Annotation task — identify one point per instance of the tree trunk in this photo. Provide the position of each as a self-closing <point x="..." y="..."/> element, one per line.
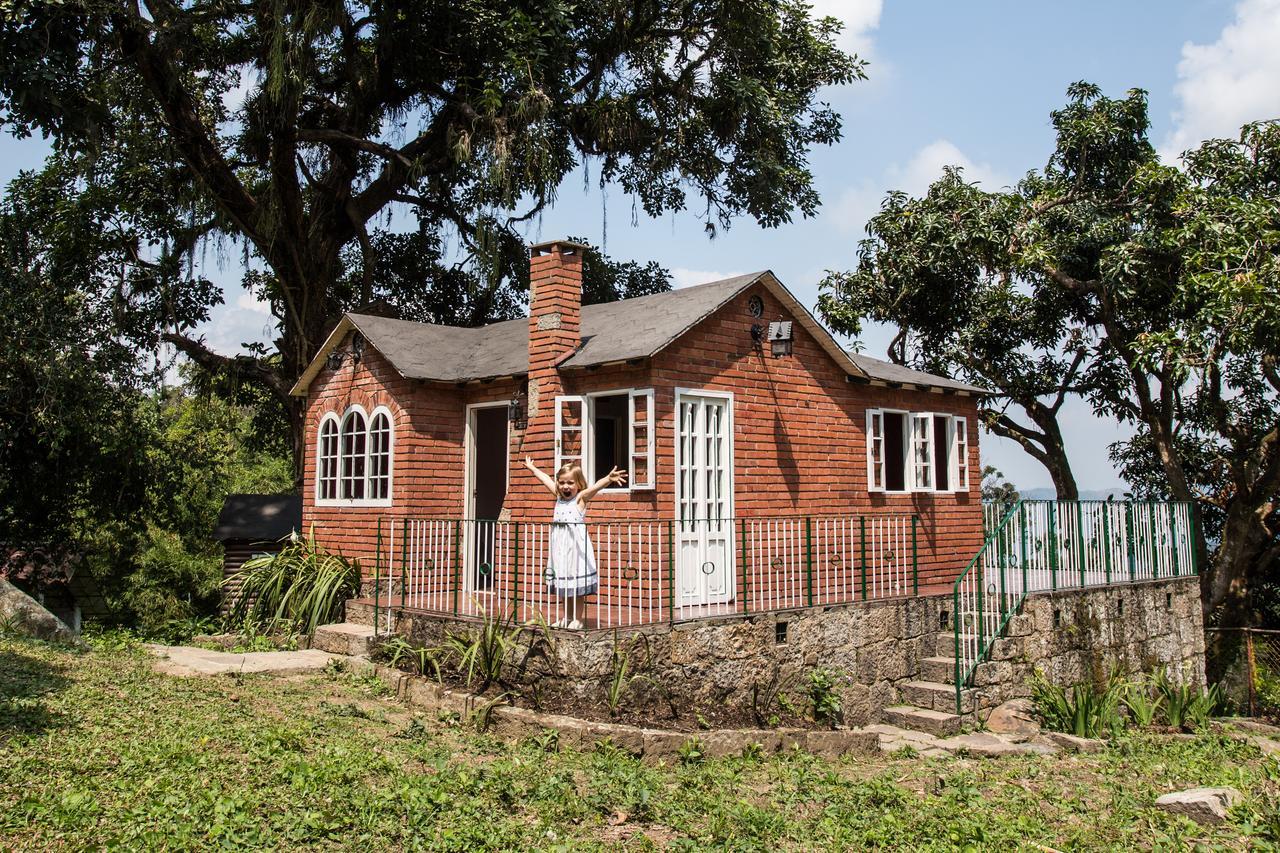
<point x="1246" y="538"/>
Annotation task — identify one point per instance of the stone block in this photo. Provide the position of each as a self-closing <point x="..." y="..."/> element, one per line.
<point x="1015" y="717"/>
<point x="992" y="672"/>
<point x="1203" y="805"/>
<point x="659" y="745"/>
<point x="1071" y="743"/>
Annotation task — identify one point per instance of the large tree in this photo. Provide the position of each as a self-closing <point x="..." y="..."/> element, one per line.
<point x="299" y="131"/>
<point x="1148" y="290"/>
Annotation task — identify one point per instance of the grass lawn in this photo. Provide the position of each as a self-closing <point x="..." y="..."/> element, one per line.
<point x="98" y="751"/>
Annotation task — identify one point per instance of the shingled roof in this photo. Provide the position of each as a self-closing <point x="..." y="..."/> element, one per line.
<point x="613" y="332"/>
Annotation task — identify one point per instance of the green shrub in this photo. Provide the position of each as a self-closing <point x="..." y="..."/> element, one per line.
<point x="1143" y="707"/>
<point x="304" y="586"/>
<point x="1266" y="687"/>
<point x="1084" y="711"/>
<point x="821" y="687"/>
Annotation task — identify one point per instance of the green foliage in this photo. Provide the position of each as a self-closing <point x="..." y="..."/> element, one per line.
<point x="425" y="660"/>
<point x="1142" y="705"/>
<point x="690" y="752"/>
<point x="1085" y="710"/>
<point x="1266" y="685"/>
<point x="620" y="676"/>
<point x="1147" y="290"/>
<point x="324" y="765"/>
<point x="302" y="587"/>
<point x="766" y="695"/>
<point x="1178" y="698"/>
<point x="706" y="103"/>
<point x="996" y="489"/>
<point x="821" y="688"/>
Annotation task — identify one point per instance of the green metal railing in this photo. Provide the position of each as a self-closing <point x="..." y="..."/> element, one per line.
<point x="1043" y="546"/>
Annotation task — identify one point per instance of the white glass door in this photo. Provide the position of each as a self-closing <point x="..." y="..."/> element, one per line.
<point x="704" y="499"/>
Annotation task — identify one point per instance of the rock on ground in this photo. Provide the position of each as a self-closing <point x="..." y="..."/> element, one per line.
<point x="28" y="616"/>
<point x="187" y="661"/>
<point x="1017" y="717"/>
<point x="1203" y="805"/>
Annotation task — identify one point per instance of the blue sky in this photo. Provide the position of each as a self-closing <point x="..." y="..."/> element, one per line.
<point x="968" y="84"/>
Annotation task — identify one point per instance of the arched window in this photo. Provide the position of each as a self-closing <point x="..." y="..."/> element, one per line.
<point x="380" y="455"/>
<point x="354" y="447"/>
<point x="327" y="460"/>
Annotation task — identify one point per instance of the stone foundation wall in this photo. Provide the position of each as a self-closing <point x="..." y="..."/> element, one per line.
<point x="875" y="647"/>
<point x="1083" y="635"/>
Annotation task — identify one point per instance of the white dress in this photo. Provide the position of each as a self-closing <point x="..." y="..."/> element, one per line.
<point x="571" y="571"/>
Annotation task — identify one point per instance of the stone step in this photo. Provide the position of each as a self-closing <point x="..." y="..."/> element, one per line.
<point x="938" y="668"/>
<point x="937" y="723"/>
<point x="344" y="638"/>
<point x="359" y="612"/>
<point x="936" y="696"/>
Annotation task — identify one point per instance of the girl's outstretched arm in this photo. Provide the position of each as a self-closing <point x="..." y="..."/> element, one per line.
<point x="616" y="477"/>
<point x="542" y="478"/>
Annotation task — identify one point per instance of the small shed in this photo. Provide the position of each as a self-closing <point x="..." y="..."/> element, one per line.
<point x="254" y="524"/>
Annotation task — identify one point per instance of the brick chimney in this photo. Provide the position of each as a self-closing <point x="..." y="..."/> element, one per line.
<point x="555" y="314"/>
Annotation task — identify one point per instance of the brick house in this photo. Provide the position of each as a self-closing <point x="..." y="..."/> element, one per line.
<point x="768" y="466"/>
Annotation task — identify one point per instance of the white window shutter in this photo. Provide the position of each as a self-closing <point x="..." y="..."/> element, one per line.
<point x="922" y="452"/>
<point x="960" y="454"/>
<point x="875" y="450"/>
<point x="642" y="440"/>
<point x="571" y="431"/>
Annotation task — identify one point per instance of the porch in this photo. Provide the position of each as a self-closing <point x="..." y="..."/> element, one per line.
<point x="649" y="572"/>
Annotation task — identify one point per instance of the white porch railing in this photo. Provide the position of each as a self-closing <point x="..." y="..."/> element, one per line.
<point x="507" y="569"/>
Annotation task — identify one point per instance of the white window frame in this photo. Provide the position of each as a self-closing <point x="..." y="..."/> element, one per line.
<point x="635" y="397"/>
<point x="875" y="450"/>
<point x="560" y="402"/>
<point x="959" y="447"/>
<point x="329" y="419"/>
<point x="381" y="411"/>
<point x="917" y="440"/>
<point x="368" y="417"/>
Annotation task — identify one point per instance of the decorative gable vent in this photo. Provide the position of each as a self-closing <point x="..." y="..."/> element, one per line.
<point x="780" y="337"/>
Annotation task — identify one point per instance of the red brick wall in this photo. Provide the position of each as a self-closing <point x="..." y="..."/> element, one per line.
<point x="799" y="440"/>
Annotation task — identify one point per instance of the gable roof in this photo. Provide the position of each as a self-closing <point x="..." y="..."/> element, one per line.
<point x="259" y="518"/>
<point x="612" y="332"/>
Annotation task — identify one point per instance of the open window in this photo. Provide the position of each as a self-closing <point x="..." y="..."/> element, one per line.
<point x="571" y="431"/>
<point x="916" y="452"/>
<point x="608" y="430"/>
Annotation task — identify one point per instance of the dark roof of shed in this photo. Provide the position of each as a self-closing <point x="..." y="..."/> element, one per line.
<point x="258" y="518"/>
<point x="896" y="374"/>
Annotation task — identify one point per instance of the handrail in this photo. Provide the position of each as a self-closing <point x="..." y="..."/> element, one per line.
<point x="1061" y="545"/>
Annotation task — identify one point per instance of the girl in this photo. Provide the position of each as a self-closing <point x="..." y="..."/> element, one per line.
<point x="572" y="562"/>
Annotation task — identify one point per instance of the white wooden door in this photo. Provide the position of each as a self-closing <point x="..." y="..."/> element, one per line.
<point x="704" y="499"/>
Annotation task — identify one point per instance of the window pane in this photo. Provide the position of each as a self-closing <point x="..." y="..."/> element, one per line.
<point x="611" y="427"/>
<point x="941" y="443"/>
<point x="353" y="456"/>
<point x="380" y="457"/>
<point x="895" y="452"/>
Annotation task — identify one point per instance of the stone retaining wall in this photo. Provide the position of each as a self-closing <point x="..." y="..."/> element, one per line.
<point x="1083" y="635"/>
<point x="875" y="647"/>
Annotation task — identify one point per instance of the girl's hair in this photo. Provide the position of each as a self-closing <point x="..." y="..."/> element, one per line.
<point x="574" y="470"/>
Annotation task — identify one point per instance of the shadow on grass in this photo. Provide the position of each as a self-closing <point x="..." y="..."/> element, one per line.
<point x="25" y="681"/>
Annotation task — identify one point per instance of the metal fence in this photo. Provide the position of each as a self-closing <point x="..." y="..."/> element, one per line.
<point x="634" y="573"/>
<point x="1040" y="546"/>
<point x="1245" y="664"/>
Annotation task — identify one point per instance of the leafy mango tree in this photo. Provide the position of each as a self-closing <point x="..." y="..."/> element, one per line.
<point x="295" y="133"/>
<point x="1145" y="289"/>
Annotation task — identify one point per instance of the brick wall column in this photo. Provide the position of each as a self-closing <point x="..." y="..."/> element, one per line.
<point x="555" y="314"/>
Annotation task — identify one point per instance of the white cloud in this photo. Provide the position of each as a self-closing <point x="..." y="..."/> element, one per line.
<point x="860" y="17"/>
<point x="249" y="302"/>
<point x="858" y="203"/>
<point x="684" y="277"/>
<point x="1231" y="82"/>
